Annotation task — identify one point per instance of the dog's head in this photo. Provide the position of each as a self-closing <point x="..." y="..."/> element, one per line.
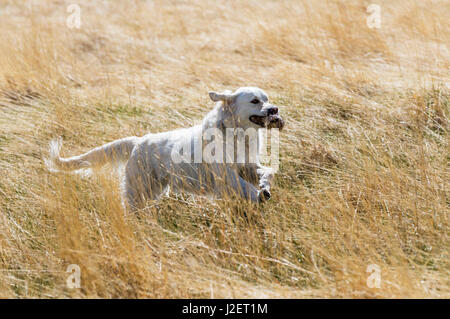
<point x="250" y="107"/>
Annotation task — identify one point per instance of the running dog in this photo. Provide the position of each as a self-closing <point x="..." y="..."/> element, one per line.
<point x="154" y="164"/>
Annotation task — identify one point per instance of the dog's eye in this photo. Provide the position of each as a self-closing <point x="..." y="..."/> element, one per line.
<point x="254" y="101"/>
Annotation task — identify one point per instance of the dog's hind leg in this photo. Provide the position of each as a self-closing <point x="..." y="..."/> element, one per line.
<point x="137" y="193"/>
<point x="131" y="201"/>
<point x="141" y="184"/>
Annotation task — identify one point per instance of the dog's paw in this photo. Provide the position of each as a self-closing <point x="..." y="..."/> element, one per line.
<point x="264" y="195"/>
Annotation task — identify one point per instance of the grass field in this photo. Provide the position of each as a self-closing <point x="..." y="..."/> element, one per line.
<point x="364" y="175"/>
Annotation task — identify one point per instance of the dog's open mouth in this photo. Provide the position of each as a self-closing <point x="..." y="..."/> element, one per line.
<point x="269" y="121"/>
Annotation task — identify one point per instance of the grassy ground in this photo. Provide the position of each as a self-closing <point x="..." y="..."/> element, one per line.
<point x="364" y="176"/>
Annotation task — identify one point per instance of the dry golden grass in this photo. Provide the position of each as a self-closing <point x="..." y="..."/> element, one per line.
<point x="364" y="157"/>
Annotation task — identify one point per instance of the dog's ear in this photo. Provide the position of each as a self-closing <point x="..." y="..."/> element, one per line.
<point x="225" y="96"/>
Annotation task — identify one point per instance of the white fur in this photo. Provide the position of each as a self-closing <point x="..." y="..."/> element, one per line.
<point x="150" y="168"/>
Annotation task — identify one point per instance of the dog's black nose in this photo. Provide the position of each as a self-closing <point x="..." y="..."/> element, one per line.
<point x="272" y="111"/>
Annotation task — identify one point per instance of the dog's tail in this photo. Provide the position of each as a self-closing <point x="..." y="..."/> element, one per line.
<point x="114" y="152"/>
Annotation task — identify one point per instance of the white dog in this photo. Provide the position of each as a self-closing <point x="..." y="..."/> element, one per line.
<point x="154" y="162"/>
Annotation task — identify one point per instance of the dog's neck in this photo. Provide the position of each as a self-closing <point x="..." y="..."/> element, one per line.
<point x="221" y="118"/>
<point x="217" y="118"/>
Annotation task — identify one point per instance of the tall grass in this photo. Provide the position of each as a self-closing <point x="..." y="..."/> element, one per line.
<point x="364" y="156"/>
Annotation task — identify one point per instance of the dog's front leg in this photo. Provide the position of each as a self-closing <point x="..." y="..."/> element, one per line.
<point x="244" y="188"/>
<point x="258" y="175"/>
<point x="265" y="176"/>
<point x="249" y="172"/>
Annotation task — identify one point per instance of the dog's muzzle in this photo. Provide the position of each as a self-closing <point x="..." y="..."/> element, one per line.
<point x="271" y="120"/>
